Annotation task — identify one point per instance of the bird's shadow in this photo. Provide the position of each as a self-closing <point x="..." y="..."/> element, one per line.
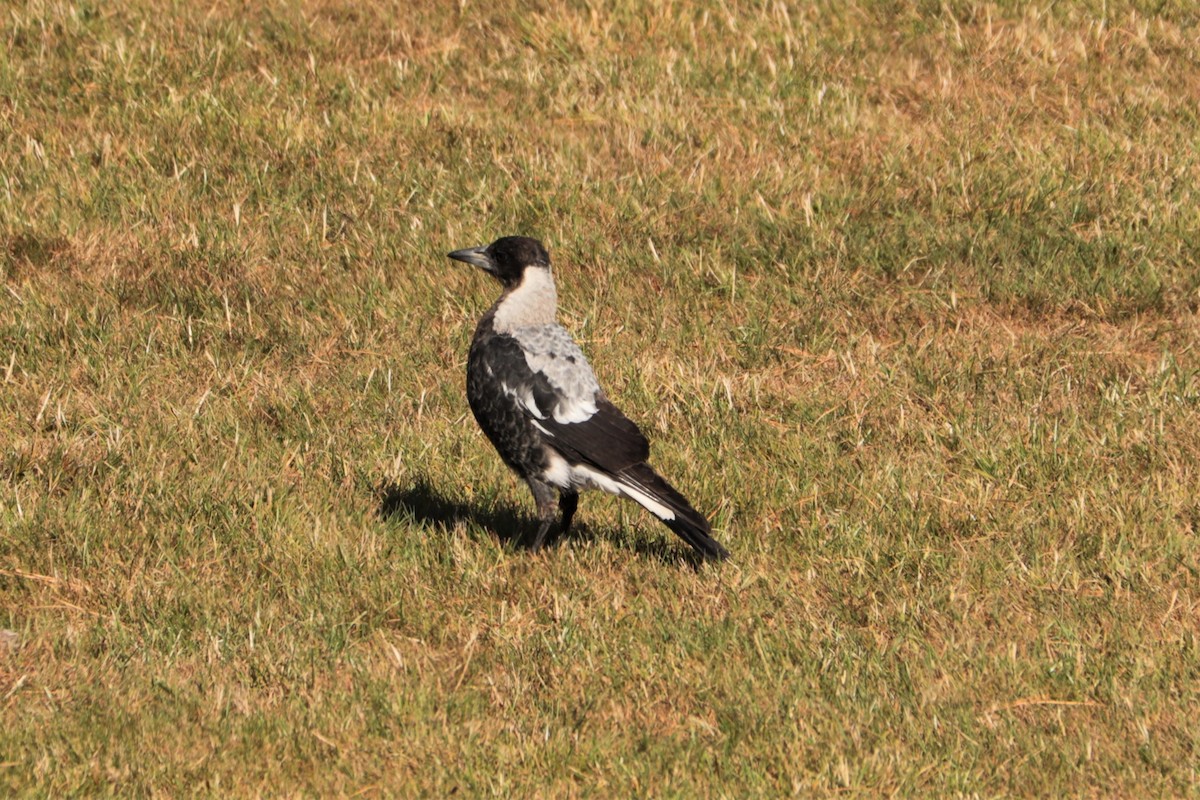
<point x="428" y="507"/>
<point x="421" y="502"/>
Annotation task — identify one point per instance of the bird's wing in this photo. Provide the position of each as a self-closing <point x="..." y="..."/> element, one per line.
<point x="552" y="355"/>
<point x="564" y="401"/>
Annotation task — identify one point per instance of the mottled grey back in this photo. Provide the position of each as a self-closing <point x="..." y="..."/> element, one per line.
<point x="550" y="350"/>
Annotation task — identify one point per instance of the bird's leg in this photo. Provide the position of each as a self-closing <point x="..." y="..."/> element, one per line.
<point x="543" y="495"/>
<point x="567" y="503"/>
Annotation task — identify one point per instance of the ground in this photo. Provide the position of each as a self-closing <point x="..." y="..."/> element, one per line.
<point x="903" y="293"/>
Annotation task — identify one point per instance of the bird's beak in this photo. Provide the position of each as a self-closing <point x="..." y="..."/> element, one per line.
<point x="476" y="257"/>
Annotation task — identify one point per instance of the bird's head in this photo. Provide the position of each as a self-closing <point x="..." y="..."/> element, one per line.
<point x="506" y="258"/>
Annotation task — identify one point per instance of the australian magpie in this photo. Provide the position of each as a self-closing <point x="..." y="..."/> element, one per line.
<point x="537" y="399"/>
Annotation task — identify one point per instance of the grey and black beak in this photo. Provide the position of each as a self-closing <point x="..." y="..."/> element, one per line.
<point x="476" y="257"/>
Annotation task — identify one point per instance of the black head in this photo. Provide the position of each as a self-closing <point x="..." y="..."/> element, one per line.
<point x="506" y="258"/>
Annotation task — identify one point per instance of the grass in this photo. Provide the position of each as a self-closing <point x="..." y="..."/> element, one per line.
<point x="904" y="293"/>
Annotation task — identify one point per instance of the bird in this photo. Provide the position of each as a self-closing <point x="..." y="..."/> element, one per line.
<point x="535" y="396"/>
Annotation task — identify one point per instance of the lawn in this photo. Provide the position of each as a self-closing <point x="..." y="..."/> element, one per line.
<point x="904" y="293"/>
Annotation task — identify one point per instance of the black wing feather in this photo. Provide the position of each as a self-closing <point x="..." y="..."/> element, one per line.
<point x="608" y="439"/>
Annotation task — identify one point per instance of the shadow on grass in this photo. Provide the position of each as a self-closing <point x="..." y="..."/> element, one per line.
<point x="429" y="508"/>
<point x="422" y="503"/>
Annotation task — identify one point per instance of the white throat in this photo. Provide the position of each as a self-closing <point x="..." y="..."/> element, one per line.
<point x="533" y="301"/>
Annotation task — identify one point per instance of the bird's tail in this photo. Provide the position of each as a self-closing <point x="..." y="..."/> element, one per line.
<point x="648" y="489"/>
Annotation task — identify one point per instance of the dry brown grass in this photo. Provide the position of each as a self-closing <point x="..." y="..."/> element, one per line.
<point x="904" y="293"/>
